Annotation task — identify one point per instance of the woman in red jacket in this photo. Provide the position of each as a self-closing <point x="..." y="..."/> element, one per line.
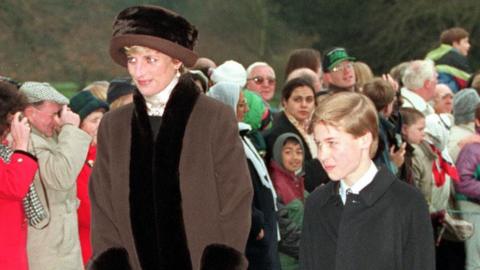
<point x="91" y="110"/>
<point x="17" y="169"/>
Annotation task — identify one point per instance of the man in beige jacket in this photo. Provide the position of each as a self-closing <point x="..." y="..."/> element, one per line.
<point x="61" y="148"/>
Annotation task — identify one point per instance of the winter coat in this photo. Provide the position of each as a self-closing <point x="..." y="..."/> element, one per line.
<point x="291" y="193"/>
<point x="157" y="204"/>
<point x="467" y="166"/>
<point x="261" y="254"/>
<point x="438" y="198"/>
<point x="452" y="67"/>
<point x="84" y="208"/>
<point x="314" y="172"/>
<point x="413" y="100"/>
<point x="15" y="179"/>
<point x="60" y="159"/>
<point x="386" y="226"/>
<point x="458" y="133"/>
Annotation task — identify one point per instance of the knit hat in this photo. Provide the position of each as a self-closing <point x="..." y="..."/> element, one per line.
<point x="464" y="104"/>
<point x="84" y="103"/>
<point x="230" y="71"/>
<point x="119" y="87"/>
<point x="153" y="27"/>
<point x="334" y="57"/>
<point x="42" y="91"/>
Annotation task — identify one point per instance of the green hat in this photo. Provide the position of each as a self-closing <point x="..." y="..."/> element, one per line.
<point x="334" y="57"/>
<point x="84" y="103"/>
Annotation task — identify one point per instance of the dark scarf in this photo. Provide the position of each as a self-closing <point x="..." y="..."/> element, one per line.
<point x="155" y="196"/>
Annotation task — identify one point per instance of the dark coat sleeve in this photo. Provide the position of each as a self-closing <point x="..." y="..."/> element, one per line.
<point x="104" y="233"/>
<point x="258" y="218"/>
<point x="233" y="180"/>
<point x="419" y="251"/>
<point x="307" y="238"/>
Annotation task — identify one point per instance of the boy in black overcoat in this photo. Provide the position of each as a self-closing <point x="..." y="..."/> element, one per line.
<point x="365" y="218"/>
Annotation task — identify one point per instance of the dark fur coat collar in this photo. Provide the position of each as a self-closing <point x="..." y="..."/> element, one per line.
<point x="155" y="198"/>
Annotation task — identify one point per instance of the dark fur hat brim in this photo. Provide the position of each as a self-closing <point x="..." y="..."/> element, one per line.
<point x="156" y="28"/>
<point x="117" y="51"/>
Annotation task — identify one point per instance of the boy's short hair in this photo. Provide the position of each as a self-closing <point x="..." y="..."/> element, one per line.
<point x="454" y="34"/>
<point x="354" y="113"/>
<point x="380" y="92"/>
<point x="410" y="116"/>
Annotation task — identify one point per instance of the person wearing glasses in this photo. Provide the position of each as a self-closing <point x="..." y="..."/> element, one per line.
<point x="61" y="148"/>
<point x="339" y="74"/>
<point x="261" y="79"/>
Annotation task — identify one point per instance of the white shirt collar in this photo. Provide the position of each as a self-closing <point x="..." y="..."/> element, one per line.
<point x="156" y="103"/>
<point x="366" y="179"/>
<point x="413" y="100"/>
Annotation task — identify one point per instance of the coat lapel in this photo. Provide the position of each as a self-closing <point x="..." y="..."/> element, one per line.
<point x="155" y="199"/>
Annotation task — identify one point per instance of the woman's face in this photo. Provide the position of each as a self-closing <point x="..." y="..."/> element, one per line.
<point x="242" y="107"/>
<point x="91" y="122"/>
<point x="151" y="70"/>
<point x="300" y="104"/>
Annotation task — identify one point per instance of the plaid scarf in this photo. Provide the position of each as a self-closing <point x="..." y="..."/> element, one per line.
<point x="34" y="210"/>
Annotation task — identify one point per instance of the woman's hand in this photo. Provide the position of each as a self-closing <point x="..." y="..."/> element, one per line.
<point x="20" y="132"/>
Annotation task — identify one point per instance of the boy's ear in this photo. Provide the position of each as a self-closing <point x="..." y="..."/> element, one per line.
<point x="366" y="141"/>
<point x="404" y="130"/>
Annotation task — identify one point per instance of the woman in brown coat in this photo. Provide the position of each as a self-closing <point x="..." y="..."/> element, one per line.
<point x="170" y="180"/>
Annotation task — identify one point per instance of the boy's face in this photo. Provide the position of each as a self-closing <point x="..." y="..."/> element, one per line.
<point x="414" y="134"/>
<point x="340" y="152"/>
<point x="292" y="156"/>
<point x="463" y="46"/>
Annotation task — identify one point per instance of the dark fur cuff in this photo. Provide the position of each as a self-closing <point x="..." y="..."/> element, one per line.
<point x="222" y="257"/>
<point x="111" y="259"/>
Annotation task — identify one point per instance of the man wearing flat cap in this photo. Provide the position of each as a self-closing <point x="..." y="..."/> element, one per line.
<point x="61" y="148"/>
<point x="170" y="182"/>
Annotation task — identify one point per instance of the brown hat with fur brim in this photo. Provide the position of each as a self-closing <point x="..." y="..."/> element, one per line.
<point x="156" y="28"/>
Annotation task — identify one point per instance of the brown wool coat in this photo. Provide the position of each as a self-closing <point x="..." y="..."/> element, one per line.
<point x="214" y="183"/>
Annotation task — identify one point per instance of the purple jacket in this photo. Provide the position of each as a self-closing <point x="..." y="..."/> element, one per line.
<point x="467" y="162"/>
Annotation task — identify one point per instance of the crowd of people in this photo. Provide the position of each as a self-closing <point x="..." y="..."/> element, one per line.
<point x="187" y="164"/>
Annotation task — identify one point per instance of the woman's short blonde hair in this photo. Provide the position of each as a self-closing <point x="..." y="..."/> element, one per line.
<point x="119" y="102"/>
<point x="351" y="112"/>
<point x="98" y="89"/>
